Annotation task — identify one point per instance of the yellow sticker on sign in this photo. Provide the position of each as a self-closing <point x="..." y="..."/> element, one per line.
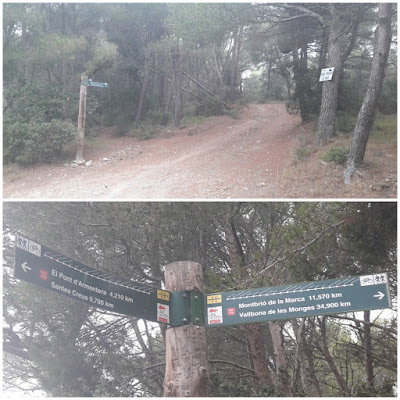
<point x="163" y="295"/>
<point x="214" y="298"/>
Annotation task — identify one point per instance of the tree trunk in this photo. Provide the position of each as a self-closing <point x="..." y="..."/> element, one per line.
<point x="326" y="122"/>
<point x="235" y="61"/>
<point x="322" y="52"/>
<point x="258" y="359"/>
<point x="145" y="83"/>
<point x="338" y="52"/>
<point x="331" y="363"/>
<point x="81" y="123"/>
<point x="187" y="371"/>
<point x="308" y="375"/>
<point x="280" y="360"/>
<point x="369" y="368"/>
<point x="366" y="115"/>
<point x="300" y="75"/>
<point x="176" y="62"/>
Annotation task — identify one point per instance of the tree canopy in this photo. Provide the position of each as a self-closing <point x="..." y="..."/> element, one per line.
<point x="167" y="61"/>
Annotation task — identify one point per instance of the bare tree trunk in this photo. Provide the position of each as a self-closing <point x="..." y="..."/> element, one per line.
<point x="366" y="115"/>
<point x="187" y="371"/>
<point x="369" y="368"/>
<point x="308" y="375"/>
<point x="258" y="359"/>
<point x="253" y="332"/>
<point x="331" y="363"/>
<point x="235" y="61"/>
<point x="280" y="360"/>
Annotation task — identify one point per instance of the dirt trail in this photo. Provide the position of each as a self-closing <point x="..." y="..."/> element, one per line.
<point x="221" y="158"/>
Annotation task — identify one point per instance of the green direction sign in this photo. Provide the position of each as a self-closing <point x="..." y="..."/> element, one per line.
<point x="45" y="267"/>
<point x="89" y="82"/>
<point x="298" y="300"/>
<point x="99" y="84"/>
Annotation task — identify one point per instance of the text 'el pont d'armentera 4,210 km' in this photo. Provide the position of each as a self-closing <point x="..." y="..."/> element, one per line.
<point x="40" y="265"/>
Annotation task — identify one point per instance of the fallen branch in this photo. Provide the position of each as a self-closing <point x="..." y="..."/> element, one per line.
<point x="205" y="89"/>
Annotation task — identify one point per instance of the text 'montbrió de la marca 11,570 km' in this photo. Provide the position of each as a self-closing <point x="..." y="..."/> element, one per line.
<point x="298" y="300"/>
<point x="38" y="264"/>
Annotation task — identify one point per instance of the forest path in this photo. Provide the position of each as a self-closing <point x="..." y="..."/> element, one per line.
<point x="221" y="158"/>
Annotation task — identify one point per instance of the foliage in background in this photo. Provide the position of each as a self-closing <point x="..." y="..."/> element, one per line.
<point x="161" y="60"/>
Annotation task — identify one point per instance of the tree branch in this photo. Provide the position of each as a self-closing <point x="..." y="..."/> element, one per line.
<point x="306" y="12"/>
<point x="302" y="248"/>
<point x="384" y="328"/>
<point x="231" y="363"/>
<point x="9" y="348"/>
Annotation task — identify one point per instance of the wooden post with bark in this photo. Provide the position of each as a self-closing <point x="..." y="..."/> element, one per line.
<point x="81" y="123"/>
<point x="187" y="372"/>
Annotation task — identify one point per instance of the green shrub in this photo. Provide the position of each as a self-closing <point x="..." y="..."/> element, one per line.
<point x="301" y="153"/>
<point x="27" y="144"/>
<point x="345" y="122"/>
<point x="385" y="128"/>
<point x="38" y="124"/>
<point x="275" y="93"/>
<point x="292" y="106"/>
<point x="154" y="117"/>
<point x="351" y="93"/>
<point x="123" y="123"/>
<point x="388" y="99"/>
<point x="336" y="154"/>
<point x="192" y="119"/>
<point x="146" y="132"/>
<point x="209" y="107"/>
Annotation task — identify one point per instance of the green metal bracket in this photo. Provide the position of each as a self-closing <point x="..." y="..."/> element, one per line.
<point x="187" y="308"/>
<point x="180" y="308"/>
<point x="197" y="308"/>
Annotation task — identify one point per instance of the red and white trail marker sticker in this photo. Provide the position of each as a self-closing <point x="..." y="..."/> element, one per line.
<point x="231" y="311"/>
<point x="214" y="315"/>
<point x="163" y="313"/>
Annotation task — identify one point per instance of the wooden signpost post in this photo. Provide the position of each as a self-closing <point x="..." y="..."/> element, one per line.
<point x="85" y="82"/>
<point x="185" y="309"/>
<point x="81" y="123"/>
<point x="187" y="370"/>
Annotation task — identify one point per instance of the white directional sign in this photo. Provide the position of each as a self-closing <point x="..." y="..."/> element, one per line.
<point x="326" y="74"/>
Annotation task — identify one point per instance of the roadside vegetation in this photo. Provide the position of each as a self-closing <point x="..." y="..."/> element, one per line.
<point x="317" y="171"/>
<point x="171" y="65"/>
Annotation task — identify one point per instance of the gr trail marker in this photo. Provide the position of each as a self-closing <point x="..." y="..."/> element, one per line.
<point x="298" y="300"/>
<point x="45" y="267"/>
